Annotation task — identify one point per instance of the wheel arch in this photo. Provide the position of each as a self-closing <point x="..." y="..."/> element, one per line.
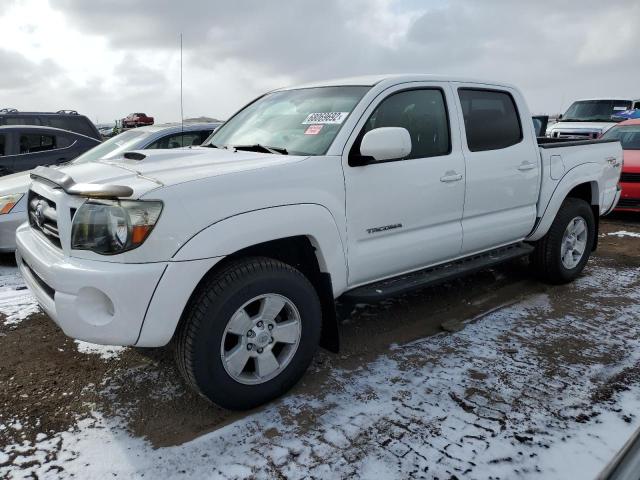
<point x="577" y="183"/>
<point x="304" y="236"/>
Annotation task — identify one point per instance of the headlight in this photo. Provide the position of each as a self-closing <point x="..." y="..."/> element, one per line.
<point x="7" y="202"/>
<point x="109" y="227"/>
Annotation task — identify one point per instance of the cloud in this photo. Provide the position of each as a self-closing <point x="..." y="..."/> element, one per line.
<point x="555" y="51"/>
<point x="20" y="74"/>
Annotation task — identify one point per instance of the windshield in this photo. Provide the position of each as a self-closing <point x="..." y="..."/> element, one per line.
<point x="595" y="110"/>
<point x="629" y="136"/>
<point x="129" y="140"/>
<point x="298" y="122"/>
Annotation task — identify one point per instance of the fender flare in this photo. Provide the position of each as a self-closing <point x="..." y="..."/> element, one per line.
<point x="581" y="174"/>
<point x="243" y="230"/>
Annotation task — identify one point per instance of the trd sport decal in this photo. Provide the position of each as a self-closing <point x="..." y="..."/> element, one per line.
<point x="385" y="228"/>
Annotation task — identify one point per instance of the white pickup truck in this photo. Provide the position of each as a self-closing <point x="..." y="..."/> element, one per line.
<point x="353" y="189"/>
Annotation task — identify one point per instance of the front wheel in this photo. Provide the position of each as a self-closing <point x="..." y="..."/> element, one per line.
<point x="562" y="253"/>
<point x="249" y="333"/>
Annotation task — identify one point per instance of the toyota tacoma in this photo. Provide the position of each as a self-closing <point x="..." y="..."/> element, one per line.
<point x="351" y="190"/>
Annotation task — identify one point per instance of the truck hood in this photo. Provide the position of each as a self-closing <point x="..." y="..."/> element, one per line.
<point x="169" y="167"/>
<point x="582" y="126"/>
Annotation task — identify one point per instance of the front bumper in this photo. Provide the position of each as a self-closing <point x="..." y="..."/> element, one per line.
<point x="106" y="302"/>
<point x="99" y="302"/>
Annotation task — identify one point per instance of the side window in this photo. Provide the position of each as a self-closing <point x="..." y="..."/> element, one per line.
<point x="35" y="142"/>
<point x="177" y="140"/>
<point x="204" y="135"/>
<point x="423" y="112"/>
<point x="2" y="145"/>
<point x="63" y="141"/>
<point x="491" y="119"/>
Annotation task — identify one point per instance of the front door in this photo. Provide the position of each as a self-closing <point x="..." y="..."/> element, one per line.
<point x="406" y="213"/>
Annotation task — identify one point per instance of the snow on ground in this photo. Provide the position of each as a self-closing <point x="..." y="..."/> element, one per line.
<point x="16" y="302"/>
<point x="624" y="233"/>
<point x="544" y="388"/>
<point x="106" y="352"/>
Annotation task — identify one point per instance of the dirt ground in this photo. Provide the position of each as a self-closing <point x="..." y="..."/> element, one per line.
<point x="47" y="385"/>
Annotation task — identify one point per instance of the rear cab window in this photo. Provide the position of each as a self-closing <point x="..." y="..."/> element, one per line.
<point x="491" y="119"/>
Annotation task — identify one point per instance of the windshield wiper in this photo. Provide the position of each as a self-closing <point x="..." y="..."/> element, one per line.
<point x="211" y="145"/>
<point x="261" y="148"/>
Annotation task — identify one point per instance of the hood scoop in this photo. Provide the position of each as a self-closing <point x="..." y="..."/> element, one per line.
<point x="134" y="156"/>
<point x="90" y="190"/>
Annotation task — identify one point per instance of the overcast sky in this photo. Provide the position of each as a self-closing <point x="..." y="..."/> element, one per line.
<point x="108" y="58"/>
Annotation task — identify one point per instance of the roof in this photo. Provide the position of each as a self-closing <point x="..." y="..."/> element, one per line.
<point x="61" y="112"/>
<point x="178" y="126"/>
<point x="370" y="80"/>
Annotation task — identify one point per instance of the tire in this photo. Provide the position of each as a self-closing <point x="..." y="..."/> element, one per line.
<point x="547" y="258"/>
<point x="233" y="299"/>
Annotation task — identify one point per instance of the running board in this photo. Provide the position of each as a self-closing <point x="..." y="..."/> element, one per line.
<point x="390" y="287"/>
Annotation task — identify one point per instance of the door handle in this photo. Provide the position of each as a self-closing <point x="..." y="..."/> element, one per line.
<point x="526" y="166"/>
<point x="451" y="177"/>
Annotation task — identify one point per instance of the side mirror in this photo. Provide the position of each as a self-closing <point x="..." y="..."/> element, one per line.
<point x="560" y="117"/>
<point x="386" y="143"/>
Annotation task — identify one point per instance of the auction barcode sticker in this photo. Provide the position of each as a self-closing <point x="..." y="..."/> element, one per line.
<point x="325" y="117"/>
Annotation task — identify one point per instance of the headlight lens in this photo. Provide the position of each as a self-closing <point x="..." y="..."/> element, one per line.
<point x="7" y="202"/>
<point x="109" y="227"/>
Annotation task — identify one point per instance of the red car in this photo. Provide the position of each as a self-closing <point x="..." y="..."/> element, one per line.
<point x="628" y="132"/>
<point x="134" y="120"/>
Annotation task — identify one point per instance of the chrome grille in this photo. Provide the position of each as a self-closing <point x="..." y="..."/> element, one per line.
<point x="576" y="135"/>
<point x="43" y="217"/>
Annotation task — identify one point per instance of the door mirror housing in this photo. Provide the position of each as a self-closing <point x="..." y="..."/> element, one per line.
<point x="386" y="143"/>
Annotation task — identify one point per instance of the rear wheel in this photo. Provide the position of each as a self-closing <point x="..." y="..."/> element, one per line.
<point x="249" y="333"/>
<point x="563" y="252"/>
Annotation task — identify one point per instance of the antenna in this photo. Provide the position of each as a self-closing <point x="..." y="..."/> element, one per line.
<point x="181" y="104"/>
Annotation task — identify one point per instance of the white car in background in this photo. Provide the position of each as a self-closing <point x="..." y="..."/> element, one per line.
<point x="13" y="201"/>
<point x="588" y="119"/>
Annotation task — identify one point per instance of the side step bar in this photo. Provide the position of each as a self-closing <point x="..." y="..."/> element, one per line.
<point x="390" y="287"/>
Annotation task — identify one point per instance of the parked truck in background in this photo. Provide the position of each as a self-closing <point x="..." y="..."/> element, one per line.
<point x="354" y="189"/>
<point x="134" y="120"/>
<point x="588" y="119"/>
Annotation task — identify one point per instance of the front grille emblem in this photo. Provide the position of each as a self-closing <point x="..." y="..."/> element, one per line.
<point x="39" y="213"/>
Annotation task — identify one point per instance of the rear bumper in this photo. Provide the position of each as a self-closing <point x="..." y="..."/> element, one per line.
<point x="630" y="197"/>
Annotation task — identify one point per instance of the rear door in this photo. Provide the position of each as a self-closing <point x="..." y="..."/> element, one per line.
<point x="404" y="214"/>
<point x="503" y="167"/>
